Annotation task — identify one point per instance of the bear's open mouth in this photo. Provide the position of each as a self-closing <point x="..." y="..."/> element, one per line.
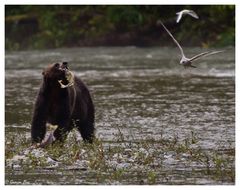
<point x="68" y="75"/>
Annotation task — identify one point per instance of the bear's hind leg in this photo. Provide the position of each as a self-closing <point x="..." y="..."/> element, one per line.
<point x="86" y="130"/>
<point x="38" y="133"/>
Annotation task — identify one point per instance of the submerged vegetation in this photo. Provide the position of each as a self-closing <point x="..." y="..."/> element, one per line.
<point x="122" y="161"/>
<point x="41" y="26"/>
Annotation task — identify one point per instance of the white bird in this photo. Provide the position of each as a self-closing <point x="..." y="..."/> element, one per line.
<point x="186" y="12"/>
<point x="187" y="62"/>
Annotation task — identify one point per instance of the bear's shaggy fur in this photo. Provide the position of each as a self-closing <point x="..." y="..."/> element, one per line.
<point x="66" y="107"/>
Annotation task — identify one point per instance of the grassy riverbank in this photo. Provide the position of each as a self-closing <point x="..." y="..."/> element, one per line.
<point x="122" y="161"/>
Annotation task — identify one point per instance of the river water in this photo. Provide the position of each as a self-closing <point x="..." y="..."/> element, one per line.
<point x="139" y="93"/>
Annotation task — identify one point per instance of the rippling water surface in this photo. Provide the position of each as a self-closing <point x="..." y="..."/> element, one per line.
<point x="141" y="92"/>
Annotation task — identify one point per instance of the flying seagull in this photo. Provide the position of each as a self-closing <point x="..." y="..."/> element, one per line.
<point x="187" y="62"/>
<point x="186" y="12"/>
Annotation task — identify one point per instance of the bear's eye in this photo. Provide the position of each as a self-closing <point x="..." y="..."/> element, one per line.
<point x="57" y="65"/>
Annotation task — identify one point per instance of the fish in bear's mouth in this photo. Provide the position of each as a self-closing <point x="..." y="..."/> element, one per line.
<point x="68" y="75"/>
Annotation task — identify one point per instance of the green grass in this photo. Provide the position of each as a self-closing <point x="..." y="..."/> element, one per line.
<point x="143" y="161"/>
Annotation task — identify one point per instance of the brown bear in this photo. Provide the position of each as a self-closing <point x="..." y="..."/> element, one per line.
<point x="65" y="101"/>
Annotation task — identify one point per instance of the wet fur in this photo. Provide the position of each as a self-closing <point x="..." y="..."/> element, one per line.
<point x="54" y="105"/>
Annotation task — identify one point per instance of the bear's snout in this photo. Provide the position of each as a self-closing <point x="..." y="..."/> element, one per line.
<point x="64" y="66"/>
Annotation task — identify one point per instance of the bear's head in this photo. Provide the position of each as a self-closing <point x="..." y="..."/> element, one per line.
<point x="57" y="74"/>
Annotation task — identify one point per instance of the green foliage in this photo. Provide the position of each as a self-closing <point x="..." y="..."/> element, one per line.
<point x="42" y="26"/>
<point x="152" y="177"/>
<point x="125" y="17"/>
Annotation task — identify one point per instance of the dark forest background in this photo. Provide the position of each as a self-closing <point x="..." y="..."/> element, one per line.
<point x="53" y="26"/>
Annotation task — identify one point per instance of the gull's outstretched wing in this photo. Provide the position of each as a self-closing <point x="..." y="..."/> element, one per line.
<point x="193" y="14"/>
<point x="179" y="16"/>
<point x="176" y="42"/>
<point x="204" y="54"/>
